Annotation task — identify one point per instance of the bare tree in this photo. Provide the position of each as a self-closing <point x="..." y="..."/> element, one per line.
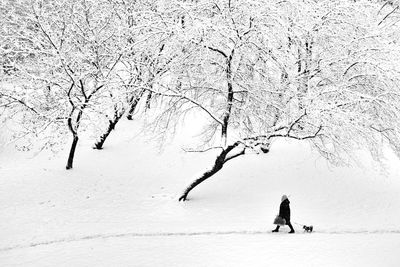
<point x="323" y="72"/>
<point x="301" y="70"/>
<point x="143" y="63"/>
<point x="70" y="52"/>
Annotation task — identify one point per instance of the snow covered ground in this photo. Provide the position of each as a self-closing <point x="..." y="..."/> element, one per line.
<point x="118" y="207"/>
<point x="216" y="250"/>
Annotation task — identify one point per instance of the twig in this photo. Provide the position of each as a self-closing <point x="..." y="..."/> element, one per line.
<point x="200" y="151"/>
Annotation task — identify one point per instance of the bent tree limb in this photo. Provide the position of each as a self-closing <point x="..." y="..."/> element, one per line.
<point x="221" y="159"/>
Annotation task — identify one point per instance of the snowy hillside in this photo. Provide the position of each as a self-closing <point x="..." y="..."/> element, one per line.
<point x="118" y="207"/>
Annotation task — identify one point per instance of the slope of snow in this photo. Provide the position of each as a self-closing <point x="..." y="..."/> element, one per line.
<point x="119" y="207"/>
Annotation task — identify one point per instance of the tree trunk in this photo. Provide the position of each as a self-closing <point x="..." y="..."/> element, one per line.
<point x="229" y="100"/>
<point x="218" y="164"/>
<point x="134" y="102"/>
<point x="304" y="68"/>
<point x="111" y="126"/>
<point x="72" y="152"/>
<point x="148" y="100"/>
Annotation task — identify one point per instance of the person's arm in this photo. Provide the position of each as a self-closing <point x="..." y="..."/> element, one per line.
<point x="281" y="210"/>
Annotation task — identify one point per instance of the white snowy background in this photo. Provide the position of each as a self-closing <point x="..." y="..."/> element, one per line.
<point x="223" y="74"/>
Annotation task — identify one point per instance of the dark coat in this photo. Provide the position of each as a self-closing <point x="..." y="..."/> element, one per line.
<point x="284" y="210"/>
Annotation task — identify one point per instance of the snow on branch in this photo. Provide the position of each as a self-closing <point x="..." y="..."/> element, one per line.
<point x="201" y="150"/>
<point x="176" y="94"/>
<point x="16" y="100"/>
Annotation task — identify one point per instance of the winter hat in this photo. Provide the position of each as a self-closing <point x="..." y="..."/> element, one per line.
<point x="284" y="197"/>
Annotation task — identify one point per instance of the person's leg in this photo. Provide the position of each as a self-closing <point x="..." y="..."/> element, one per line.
<point x="276" y="229"/>
<point x="291" y="227"/>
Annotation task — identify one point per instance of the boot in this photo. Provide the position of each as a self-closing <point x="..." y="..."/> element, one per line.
<point x="291" y="228"/>
<point x="276" y="229"/>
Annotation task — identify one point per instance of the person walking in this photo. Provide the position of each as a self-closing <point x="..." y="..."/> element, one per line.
<point x="284" y="212"/>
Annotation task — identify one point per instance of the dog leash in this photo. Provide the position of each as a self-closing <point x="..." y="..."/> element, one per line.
<point x="308" y="228"/>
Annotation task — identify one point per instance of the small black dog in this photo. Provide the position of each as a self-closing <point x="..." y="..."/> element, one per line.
<point x="308" y="228"/>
